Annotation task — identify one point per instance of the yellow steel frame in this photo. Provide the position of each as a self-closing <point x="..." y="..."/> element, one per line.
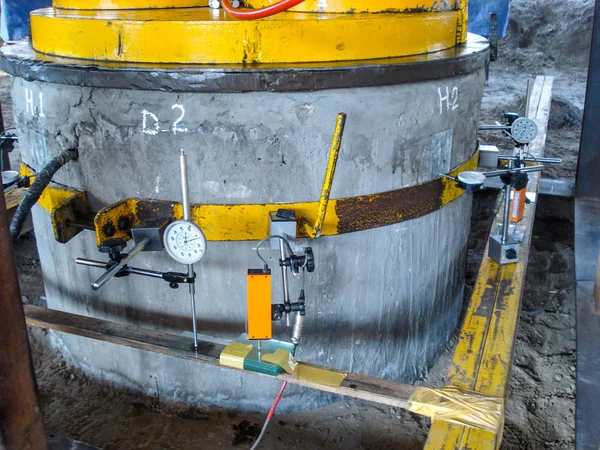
<point x="203" y="35"/>
<point x="54" y="195"/>
<point x="483" y="357"/>
<point x="62" y="203"/>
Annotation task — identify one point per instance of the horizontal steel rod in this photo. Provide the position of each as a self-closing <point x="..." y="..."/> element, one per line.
<point x="497" y="173"/>
<point x="113" y="270"/>
<point x="494" y="127"/>
<point x="131" y="270"/>
<point x="557" y="188"/>
<point x="538" y="160"/>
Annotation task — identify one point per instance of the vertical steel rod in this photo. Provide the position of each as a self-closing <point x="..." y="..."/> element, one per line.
<point x="185" y="204"/>
<point x="185" y="189"/>
<point x="284" y="278"/>
<point x="192" y="289"/>
<point x="21" y="422"/>
<point x="505" y="224"/>
<point x="507" y="191"/>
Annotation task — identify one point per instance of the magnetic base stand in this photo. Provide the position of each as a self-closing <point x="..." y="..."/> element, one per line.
<point x="506" y="253"/>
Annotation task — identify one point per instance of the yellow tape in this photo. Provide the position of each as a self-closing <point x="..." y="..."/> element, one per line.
<point x="287" y="362"/>
<point x="234" y="354"/>
<point x="460" y="406"/>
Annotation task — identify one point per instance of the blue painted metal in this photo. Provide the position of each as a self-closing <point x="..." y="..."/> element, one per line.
<point x="479" y="16"/>
<point x="15" y="17"/>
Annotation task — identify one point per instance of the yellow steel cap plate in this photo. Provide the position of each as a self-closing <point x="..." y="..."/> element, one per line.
<point x="365" y="6"/>
<point x="127" y="4"/>
<point x="206" y="36"/>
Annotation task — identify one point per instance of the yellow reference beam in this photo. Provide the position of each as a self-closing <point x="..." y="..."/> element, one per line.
<point x="483" y="357"/>
<point x="314" y="231"/>
<point x="364" y="6"/>
<point x="248" y="222"/>
<point x="206" y="36"/>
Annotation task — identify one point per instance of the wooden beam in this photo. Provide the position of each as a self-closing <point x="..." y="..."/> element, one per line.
<point x="483" y="357"/>
<point x="21" y="421"/>
<point x="355" y="385"/>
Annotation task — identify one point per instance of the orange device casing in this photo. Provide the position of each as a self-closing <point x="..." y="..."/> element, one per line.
<point x="260" y="319"/>
<point x="517" y="207"/>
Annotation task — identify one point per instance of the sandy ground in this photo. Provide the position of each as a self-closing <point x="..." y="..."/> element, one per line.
<point x="540" y="411"/>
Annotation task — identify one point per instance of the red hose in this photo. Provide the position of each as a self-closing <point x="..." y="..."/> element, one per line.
<point x="276" y="402"/>
<point x="261" y="13"/>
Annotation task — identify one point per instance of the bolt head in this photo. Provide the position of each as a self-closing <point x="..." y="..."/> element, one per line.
<point x="109" y="229"/>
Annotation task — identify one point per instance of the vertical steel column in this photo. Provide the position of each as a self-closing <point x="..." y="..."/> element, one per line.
<point x="21" y="422"/>
<point x="588" y="166"/>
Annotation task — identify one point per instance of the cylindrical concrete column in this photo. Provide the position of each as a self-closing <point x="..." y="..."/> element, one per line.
<point x="383" y="301"/>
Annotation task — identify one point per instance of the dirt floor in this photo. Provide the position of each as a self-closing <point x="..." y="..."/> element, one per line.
<point x="540" y="411"/>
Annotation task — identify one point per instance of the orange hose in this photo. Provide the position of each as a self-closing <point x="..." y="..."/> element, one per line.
<point x="261" y="13"/>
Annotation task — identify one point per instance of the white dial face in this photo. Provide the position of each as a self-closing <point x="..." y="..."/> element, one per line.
<point x="185" y="242"/>
<point x="524" y="130"/>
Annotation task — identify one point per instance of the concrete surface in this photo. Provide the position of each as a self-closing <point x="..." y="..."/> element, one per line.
<point x="382" y="302"/>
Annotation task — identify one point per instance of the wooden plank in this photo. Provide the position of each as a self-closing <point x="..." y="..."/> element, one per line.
<point x="355" y="385"/>
<point x="483" y="357"/>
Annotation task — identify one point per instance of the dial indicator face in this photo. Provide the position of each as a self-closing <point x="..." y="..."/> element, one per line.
<point x="524" y="130"/>
<point x="185" y="242"/>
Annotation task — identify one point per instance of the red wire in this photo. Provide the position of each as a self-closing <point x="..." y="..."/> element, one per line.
<point x="252" y="14"/>
<point x="276" y="402"/>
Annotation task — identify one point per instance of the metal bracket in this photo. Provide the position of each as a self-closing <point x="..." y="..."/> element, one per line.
<point x="66" y="214"/>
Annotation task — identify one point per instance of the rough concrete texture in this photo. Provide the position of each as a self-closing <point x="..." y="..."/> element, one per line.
<point x="382" y="302"/>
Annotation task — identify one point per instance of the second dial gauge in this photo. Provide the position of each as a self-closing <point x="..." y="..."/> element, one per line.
<point x="185" y="242"/>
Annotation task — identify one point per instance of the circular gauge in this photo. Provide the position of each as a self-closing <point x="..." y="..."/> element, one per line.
<point x="185" y="242"/>
<point x="524" y="130"/>
<point x="471" y="181"/>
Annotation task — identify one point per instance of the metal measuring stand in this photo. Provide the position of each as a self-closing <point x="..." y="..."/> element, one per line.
<point x="185" y="192"/>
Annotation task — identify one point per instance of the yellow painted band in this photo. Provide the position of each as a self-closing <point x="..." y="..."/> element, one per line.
<point x="201" y="35"/>
<point x="362" y="6"/>
<point x="127" y="4"/>
<point x="247" y="222"/>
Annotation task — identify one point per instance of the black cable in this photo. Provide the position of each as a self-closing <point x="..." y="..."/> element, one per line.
<point x="275" y="236"/>
<point x="566" y="286"/>
<point x="42" y="180"/>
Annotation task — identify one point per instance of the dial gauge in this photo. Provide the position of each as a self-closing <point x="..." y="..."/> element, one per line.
<point x="185" y="242"/>
<point x="524" y="130"/>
